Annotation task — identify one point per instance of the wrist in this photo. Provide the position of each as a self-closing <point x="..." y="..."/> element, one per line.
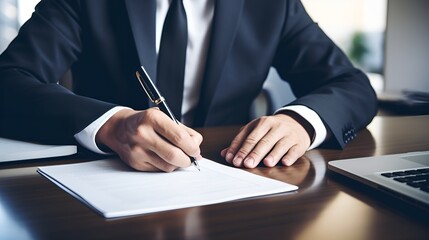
<point x="109" y="135"/>
<point x="301" y="121"/>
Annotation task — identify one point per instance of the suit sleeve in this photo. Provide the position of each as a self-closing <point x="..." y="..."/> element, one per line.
<point x="33" y="105"/>
<point x="322" y="77"/>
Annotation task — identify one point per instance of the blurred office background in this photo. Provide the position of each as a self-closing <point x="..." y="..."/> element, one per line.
<point x="8" y="22"/>
<point x="357" y="27"/>
<point x="13" y="13"/>
<point x="385" y="38"/>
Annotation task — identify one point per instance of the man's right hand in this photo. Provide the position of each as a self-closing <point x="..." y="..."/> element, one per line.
<point x="149" y="140"/>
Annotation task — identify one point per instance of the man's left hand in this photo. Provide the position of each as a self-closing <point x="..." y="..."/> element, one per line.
<point x="269" y="139"/>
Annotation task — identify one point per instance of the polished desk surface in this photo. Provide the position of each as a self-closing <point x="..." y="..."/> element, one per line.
<point x="327" y="206"/>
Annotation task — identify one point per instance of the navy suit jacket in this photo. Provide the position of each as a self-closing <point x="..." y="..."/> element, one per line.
<point x="104" y="42"/>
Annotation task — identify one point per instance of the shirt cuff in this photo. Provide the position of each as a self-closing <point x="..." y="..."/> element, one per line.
<point x="313" y="118"/>
<point x="86" y="137"/>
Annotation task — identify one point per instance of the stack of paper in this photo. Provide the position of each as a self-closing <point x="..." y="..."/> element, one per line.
<point x="13" y="150"/>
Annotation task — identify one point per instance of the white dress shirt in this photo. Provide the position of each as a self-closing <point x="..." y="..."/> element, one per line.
<point x="199" y="15"/>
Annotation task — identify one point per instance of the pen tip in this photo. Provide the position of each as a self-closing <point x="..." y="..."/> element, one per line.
<point x="196" y="165"/>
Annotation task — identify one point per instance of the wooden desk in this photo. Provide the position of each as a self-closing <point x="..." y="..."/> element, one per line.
<point x="327" y="206"/>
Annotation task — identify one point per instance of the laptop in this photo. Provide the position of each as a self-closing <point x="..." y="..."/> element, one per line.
<point x="404" y="175"/>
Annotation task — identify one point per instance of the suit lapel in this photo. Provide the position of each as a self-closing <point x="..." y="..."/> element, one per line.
<point x="142" y="16"/>
<point x="225" y="22"/>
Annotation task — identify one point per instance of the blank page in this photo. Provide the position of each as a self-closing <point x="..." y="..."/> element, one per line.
<point x="115" y="190"/>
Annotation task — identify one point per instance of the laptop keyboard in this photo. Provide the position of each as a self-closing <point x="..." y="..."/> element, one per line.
<point x="416" y="178"/>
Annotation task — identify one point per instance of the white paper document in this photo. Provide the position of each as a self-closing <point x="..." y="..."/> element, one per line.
<point x="13" y="150"/>
<point x="115" y="190"/>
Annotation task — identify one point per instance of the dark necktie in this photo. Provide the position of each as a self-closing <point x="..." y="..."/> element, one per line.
<point x="172" y="56"/>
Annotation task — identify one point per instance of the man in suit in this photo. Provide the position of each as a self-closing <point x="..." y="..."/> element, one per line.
<point x="230" y="47"/>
